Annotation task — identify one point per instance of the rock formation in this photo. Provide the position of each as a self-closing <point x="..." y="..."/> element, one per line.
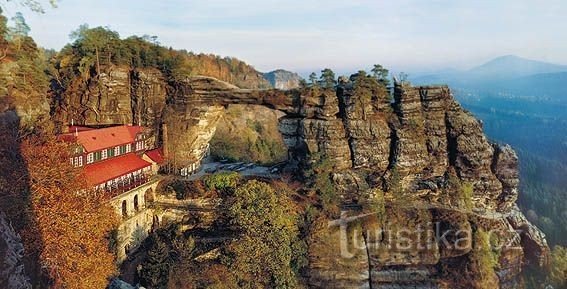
<point x="283" y="79"/>
<point x="12" y="274"/>
<point x="422" y="148"/>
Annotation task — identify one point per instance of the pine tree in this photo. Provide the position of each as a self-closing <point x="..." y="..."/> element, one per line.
<point x="313" y="79"/>
<point x="155" y="270"/>
<point x="328" y="79"/>
<point x="381" y="74"/>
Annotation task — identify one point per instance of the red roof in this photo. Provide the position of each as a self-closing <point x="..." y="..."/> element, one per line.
<point x="99" y="139"/>
<point x="112" y="168"/>
<point x="156" y="155"/>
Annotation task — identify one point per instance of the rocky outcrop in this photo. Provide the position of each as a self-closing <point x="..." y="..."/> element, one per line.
<point x="12" y="274"/>
<point x="119" y="96"/>
<point x="421" y="149"/>
<point x="283" y="79"/>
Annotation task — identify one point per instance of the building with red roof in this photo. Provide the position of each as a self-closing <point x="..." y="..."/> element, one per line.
<point x="114" y="158"/>
<point x="119" y="160"/>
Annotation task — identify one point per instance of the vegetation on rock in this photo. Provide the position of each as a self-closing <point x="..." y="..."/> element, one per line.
<point x="249" y="134"/>
<point x="95" y="50"/>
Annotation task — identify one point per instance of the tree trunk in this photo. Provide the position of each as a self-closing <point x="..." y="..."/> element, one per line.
<point x="97" y="62"/>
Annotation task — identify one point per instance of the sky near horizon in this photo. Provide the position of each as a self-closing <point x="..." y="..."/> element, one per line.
<point x="404" y="35"/>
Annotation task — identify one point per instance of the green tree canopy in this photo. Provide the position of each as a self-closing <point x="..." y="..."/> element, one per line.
<point x="264" y="252"/>
<point x="328" y="79"/>
<point x="367" y="89"/>
<point x="313" y="78"/>
<point x="381" y="74"/>
<point x="35" y="5"/>
<point x="20" y="27"/>
<point x="95" y="45"/>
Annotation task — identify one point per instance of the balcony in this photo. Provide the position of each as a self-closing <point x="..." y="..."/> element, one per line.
<point x="129" y="184"/>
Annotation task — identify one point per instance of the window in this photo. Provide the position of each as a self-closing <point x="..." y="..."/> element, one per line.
<point x="122" y="150"/>
<point x="104" y="154"/>
<point x="117" y="151"/>
<point x="128" y="148"/>
<point x="77" y="161"/>
<point x="110" y="152"/>
<point x="140" y="145"/>
<point x="97" y="156"/>
<point x="90" y="158"/>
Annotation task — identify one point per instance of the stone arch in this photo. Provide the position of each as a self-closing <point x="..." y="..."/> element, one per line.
<point x="149" y="195"/>
<point x="136" y="203"/>
<point x="124" y="209"/>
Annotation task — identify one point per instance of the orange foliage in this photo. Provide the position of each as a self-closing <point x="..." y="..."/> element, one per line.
<point x="71" y="223"/>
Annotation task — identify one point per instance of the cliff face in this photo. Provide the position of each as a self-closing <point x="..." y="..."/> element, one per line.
<point x="283" y="79"/>
<point x="121" y="95"/>
<point x="12" y="274"/>
<point x="422" y="153"/>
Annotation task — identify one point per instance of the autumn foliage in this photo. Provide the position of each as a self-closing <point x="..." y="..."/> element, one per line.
<point x="71" y="223"/>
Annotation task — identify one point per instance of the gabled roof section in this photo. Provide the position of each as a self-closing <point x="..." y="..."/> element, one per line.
<point x="156" y="155"/>
<point x="101" y="172"/>
<point x="99" y="139"/>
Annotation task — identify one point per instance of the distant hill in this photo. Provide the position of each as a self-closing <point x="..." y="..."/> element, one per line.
<point x="283" y="79"/>
<point x="511" y="66"/>
<point x="546" y="85"/>
<point x="506" y="74"/>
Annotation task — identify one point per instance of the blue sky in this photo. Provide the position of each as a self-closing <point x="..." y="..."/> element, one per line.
<point x="405" y="35"/>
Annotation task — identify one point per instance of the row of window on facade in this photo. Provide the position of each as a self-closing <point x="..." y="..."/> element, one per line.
<point x="124" y="180"/>
<point x="107" y="153"/>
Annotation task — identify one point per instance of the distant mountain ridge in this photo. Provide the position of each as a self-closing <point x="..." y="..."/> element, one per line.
<point x="510" y="74"/>
<point x="511" y="66"/>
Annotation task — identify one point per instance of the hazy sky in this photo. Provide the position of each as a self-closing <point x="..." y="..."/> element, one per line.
<point x="410" y="35"/>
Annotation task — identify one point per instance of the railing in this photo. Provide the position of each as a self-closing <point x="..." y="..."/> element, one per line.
<point x="129" y="184"/>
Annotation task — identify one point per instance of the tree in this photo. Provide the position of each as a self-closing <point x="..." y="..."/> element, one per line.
<point x="222" y="181"/>
<point x="367" y="89"/>
<point x="3" y="32"/>
<point x="94" y="44"/>
<point x="328" y="79"/>
<point x="558" y="268"/>
<point x="20" y="28"/>
<point x="319" y="174"/>
<point x="19" y="32"/>
<point x="484" y="260"/>
<point x="313" y="79"/>
<point x="35" y="5"/>
<point x="72" y="223"/>
<point x="155" y="270"/>
<point x="264" y="252"/>
<point x="381" y="74"/>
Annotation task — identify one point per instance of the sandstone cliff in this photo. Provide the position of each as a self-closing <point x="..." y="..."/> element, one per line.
<point x="433" y="149"/>
<point x="12" y="273"/>
<point x="423" y="153"/>
<point x="283" y="79"/>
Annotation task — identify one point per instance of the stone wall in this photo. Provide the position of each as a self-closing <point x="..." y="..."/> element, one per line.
<point x="136" y="220"/>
